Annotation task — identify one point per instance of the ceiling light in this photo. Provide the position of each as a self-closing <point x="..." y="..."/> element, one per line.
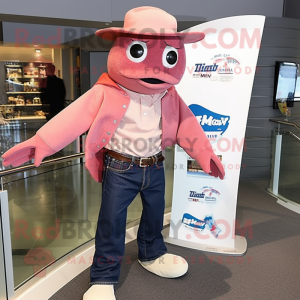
<point x="38" y="50"/>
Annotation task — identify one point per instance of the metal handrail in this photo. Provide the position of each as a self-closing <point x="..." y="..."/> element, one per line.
<point x="285" y="123"/>
<point x="293" y="135"/>
<point x="45" y="163"/>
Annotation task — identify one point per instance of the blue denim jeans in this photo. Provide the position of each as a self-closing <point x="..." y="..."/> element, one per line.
<point x="122" y="181"/>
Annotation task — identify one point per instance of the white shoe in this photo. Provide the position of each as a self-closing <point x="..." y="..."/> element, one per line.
<point x="168" y="266"/>
<point x="100" y="292"/>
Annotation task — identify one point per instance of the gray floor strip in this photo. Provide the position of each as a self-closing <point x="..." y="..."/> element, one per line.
<point x="269" y="269"/>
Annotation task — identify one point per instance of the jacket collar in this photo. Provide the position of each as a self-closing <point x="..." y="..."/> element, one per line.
<point x="106" y="80"/>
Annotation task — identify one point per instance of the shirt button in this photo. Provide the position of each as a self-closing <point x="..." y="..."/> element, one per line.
<point x="145" y="114"/>
<point x="124" y="106"/>
<point x="108" y="132"/>
<point x="125" y="94"/>
<point x="115" y="121"/>
<point x="103" y="140"/>
<point x="98" y="146"/>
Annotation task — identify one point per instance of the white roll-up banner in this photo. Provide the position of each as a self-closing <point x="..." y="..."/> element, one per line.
<point x="217" y="87"/>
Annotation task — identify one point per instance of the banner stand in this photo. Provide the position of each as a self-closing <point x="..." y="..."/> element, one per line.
<point x="240" y="245"/>
<point x="217" y="87"/>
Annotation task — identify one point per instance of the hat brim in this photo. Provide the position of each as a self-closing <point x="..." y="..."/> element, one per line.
<point x="112" y="33"/>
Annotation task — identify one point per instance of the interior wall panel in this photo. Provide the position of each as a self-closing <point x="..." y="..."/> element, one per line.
<point x="280" y="42"/>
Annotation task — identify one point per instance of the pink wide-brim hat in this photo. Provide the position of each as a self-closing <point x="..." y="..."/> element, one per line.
<point x="149" y="21"/>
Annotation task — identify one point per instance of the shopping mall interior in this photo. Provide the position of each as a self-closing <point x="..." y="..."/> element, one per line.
<point x="49" y="213"/>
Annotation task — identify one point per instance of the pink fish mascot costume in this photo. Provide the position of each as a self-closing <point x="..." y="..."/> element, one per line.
<point x="132" y="113"/>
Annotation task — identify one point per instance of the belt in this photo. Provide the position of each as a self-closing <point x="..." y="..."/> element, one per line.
<point x="141" y="161"/>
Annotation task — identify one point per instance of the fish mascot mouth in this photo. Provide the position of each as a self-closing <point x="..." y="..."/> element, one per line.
<point x="152" y="80"/>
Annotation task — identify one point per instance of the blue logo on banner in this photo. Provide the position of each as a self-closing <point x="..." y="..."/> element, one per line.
<point x="193" y="222"/>
<point x="198" y="225"/>
<point x="196" y="195"/>
<point x="204" y="68"/>
<point x="212" y="123"/>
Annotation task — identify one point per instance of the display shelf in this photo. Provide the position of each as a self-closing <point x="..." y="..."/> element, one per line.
<point x="26" y="71"/>
<point x="26" y="77"/>
<point x="26" y="118"/>
<point x="13" y="66"/>
<point x="23" y="85"/>
<point x="39" y="104"/>
<point x="23" y="92"/>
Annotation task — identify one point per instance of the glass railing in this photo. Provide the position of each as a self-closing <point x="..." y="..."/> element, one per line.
<point x="285" y="171"/>
<point x="3" y="282"/>
<point x="16" y="132"/>
<point x="54" y="209"/>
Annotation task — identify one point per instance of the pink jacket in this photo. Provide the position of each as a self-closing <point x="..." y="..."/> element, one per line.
<point x="101" y="109"/>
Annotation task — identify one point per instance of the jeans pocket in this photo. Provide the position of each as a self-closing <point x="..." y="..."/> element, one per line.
<point x="118" y="166"/>
<point x="160" y="165"/>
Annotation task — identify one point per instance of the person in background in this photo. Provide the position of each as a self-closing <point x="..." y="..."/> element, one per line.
<point x="53" y="92"/>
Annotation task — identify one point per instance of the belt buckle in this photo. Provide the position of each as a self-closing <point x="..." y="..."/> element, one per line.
<point x="141" y="160"/>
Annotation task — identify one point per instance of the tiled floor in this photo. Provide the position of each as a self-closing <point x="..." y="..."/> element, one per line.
<point x="65" y="197"/>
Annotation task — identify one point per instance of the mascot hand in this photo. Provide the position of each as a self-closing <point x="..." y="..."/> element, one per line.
<point x="210" y="163"/>
<point x="33" y="148"/>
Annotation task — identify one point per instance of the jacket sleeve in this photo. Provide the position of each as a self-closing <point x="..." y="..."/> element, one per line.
<point x="73" y="121"/>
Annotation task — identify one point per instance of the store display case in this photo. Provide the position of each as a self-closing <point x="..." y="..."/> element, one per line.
<point x="23" y="87"/>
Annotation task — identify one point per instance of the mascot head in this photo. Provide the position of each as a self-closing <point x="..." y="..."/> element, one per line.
<point x="148" y="53"/>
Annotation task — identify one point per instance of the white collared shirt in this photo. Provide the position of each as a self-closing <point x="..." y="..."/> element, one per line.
<point x="139" y="132"/>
